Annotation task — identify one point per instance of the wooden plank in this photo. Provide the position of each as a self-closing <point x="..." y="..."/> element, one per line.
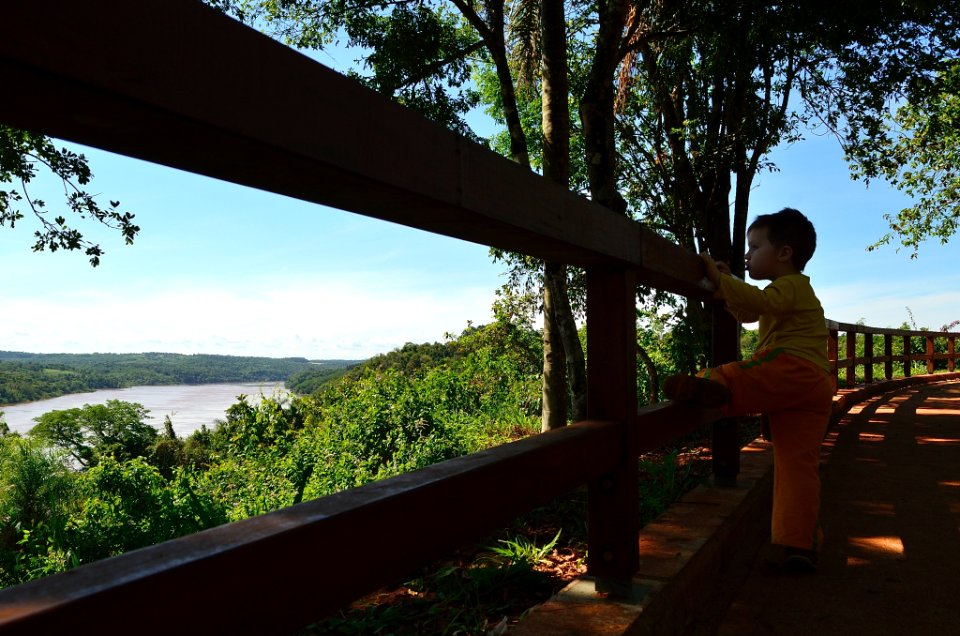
<point x="175" y="82"/>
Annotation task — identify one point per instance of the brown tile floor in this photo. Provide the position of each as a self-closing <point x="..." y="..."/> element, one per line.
<point x="891" y="513"/>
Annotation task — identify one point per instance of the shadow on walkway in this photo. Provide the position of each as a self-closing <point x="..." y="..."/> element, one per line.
<point x="891" y="515"/>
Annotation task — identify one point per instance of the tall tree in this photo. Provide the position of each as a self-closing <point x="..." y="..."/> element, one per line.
<point x="116" y="429"/>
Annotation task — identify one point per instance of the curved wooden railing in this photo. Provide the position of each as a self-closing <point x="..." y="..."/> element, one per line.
<point x="861" y="344"/>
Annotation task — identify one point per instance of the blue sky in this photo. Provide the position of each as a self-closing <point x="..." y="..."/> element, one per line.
<point x="220" y="268"/>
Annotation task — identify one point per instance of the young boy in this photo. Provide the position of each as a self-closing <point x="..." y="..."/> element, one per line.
<point x="787" y="379"/>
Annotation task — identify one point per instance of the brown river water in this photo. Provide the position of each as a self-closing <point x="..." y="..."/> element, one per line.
<point x="188" y="405"/>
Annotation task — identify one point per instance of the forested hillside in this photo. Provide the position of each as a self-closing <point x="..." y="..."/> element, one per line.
<point x="26" y="377"/>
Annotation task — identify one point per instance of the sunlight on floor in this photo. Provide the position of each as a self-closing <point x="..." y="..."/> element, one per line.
<point x="871" y="437"/>
<point x="938" y="411"/>
<point x="889" y="547"/>
<point x="875" y="508"/>
<point x="948" y="441"/>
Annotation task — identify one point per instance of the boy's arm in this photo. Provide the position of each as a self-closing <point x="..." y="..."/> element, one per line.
<point x="716" y="271"/>
<point x="775" y="299"/>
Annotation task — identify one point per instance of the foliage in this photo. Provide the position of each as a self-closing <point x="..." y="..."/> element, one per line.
<point x="311" y="380"/>
<point x="668" y="343"/>
<point x="918" y="152"/>
<point x="523" y="550"/>
<point x="665" y="479"/>
<point x="22" y="154"/>
<point x="36" y="491"/>
<point x="409" y="359"/>
<point x="128" y="505"/>
<point x="96" y="431"/>
<point x="472" y="595"/>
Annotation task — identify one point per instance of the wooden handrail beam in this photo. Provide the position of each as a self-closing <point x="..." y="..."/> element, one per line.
<point x="177" y="83"/>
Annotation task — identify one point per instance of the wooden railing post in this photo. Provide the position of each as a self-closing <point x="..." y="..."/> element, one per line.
<point x="930" y="354"/>
<point x="614" y="507"/>
<point x="867" y="357"/>
<point x="951" y="353"/>
<point x="888" y="354"/>
<point x="833" y="348"/>
<point x="907" y="356"/>
<point x="726" y="434"/>
<point x="851" y="358"/>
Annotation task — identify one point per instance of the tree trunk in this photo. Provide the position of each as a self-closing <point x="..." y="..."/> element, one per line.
<point x="596" y="108"/>
<point x="558" y="315"/>
<point x="491" y="30"/>
<point x="554" y="385"/>
<point x="653" y="395"/>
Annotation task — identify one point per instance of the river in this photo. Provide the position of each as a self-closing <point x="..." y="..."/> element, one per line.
<point x="188" y="405"/>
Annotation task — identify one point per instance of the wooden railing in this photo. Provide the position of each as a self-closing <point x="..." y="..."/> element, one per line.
<point x="174" y="82"/>
<point x="867" y="339"/>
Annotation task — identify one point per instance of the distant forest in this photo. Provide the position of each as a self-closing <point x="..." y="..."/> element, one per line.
<point x="25" y="377"/>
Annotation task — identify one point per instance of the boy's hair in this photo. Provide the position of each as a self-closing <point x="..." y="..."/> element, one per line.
<point x="789" y="227"/>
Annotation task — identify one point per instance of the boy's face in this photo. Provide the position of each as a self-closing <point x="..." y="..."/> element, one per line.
<point x="764" y="260"/>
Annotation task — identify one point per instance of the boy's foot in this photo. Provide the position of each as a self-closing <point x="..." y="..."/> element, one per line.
<point x="799" y="561"/>
<point x="694" y="390"/>
<point x="780" y="559"/>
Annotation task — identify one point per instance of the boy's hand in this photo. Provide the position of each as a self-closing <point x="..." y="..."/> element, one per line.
<point x="713" y="269"/>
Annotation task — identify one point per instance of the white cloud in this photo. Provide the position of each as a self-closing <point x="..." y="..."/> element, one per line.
<point x="350" y="317"/>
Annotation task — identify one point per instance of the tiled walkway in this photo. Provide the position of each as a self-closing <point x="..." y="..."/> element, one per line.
<point x="891" y="513"/>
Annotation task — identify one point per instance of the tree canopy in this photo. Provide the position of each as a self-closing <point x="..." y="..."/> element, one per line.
<point x="116" y="429"/>
<point x="919" y="153"/>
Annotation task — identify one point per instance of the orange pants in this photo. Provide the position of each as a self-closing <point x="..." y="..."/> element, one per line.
<point x="796" y="395"/>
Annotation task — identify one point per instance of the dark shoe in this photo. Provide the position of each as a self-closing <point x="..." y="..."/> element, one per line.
<point x="694" y="390"/>
<point x="799" y="561"/>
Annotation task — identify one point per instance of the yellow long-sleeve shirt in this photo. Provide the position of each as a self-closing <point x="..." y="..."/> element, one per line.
<point x="791" y="317"/>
